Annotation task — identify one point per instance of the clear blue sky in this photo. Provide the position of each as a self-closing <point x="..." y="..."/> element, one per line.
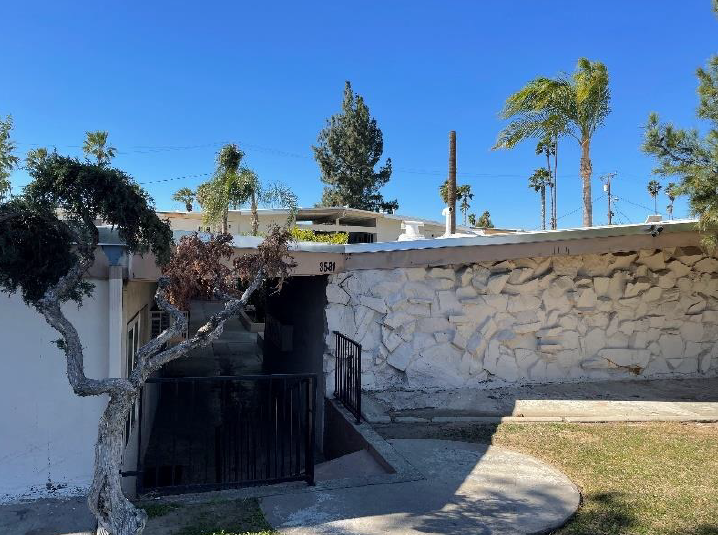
<point x="164" y="76"/>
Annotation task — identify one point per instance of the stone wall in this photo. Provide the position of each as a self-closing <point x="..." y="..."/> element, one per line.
<point x="565" y="318"/>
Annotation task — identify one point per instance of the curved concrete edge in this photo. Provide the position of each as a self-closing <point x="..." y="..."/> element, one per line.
<point x="467" y="488"/>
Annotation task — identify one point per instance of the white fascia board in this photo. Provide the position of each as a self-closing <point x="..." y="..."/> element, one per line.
<point x="522" y="237"/>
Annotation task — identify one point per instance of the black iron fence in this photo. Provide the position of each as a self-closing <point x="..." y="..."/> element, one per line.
<point x="347" y="374"/>
<point x="211" y="433"/>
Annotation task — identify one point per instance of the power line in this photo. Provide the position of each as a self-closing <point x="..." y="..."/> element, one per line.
<point x="175" y="178"/>
<point x="579" y="208"/>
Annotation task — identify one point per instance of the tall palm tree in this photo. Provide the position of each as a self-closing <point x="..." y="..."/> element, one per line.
<point x="575" y="106"/>
<point x="250" y="182"/>
<point x="548" y="146"/>
<point x="95" y="144"/>
<point x="538" y="182"/>
<point x="653" y="188"/>
<point x="672" y="193"/>
<point x="224" y="190"/>
<point x="185" y="196"/>
<point x="463" y="193"/>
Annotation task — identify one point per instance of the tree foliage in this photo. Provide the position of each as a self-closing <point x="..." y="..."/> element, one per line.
<point x="301" y="234"/>
<point x="484" y="220"/>
<point x="349" y="148"/>
<point x="234" y="185"/>
<point x="576" y="106"/>
<point x="8" y="159"/>
<point x="226" y="190"/>
<point x="36" y="246"/>
<point x="184" y="196"/>
<point x="35" y="249"/>
<point x="96" y="145"/>
<point x="35" y="157"/>
<point x="690" y="155"/>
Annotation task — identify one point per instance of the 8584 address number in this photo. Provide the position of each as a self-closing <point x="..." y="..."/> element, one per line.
<point x="327" y="267"/>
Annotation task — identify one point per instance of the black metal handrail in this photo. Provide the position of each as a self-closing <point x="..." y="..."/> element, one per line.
<point x="347" y="374"/>
<point x="211" y="433"/>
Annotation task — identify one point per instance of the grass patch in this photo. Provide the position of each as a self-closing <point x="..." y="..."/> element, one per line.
<point x="637" y="479"/>
<point x="155" y="510"/>
<point x="237" y="517"/>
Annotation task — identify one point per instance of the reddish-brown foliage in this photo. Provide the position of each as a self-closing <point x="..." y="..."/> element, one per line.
<point x="272" y="257"/>
<point x="202" y="269"/>
<point x="199" y="268"/>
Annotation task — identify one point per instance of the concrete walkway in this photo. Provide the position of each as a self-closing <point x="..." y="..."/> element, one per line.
<point x="467" y="489"/>
<point x="68" y="516"/>
<point x="605" y="401"/>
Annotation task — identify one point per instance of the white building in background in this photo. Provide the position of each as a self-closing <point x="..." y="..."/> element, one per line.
<point x="362" y="226"/>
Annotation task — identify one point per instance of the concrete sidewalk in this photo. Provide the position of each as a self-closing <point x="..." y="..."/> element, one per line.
<point x="69" y="516"/>
<point x="466" y="489"/>
<point x="606" y="401"/>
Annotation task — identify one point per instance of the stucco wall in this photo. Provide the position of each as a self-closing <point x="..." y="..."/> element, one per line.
<point x="47" y="433"/>
<point x="564" y="318"/>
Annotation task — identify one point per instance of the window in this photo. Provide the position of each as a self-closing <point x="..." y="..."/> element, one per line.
<point x="133" y="345"/>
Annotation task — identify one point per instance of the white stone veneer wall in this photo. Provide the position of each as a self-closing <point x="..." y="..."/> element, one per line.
<point x="591" y="317"/>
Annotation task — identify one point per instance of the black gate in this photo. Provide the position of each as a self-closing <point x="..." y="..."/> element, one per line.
<point x="347" y="374"/>
<point x="211" y="433"/>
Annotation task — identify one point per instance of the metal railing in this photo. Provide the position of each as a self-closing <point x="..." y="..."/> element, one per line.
<point x="347" y="374"/>
<point x="212" y="433"/>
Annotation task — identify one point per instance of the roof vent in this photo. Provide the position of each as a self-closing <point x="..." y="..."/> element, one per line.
<point x="411" y="231"/>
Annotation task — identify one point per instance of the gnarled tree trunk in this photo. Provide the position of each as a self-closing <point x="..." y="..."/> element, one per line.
<point x="114" y="512"/>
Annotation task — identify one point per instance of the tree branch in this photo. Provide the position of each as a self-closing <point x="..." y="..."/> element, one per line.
<point x="205" y="335"/>
<point x="49" y="307"/>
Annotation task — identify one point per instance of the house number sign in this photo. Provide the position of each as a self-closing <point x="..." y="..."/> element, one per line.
<point x="327" y="267"/>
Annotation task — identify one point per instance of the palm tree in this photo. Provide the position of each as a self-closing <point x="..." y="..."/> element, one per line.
<point x="250" y="183"/>
<point x="653" y="188"/>
<point x="538" y="182"/>
<point x="185" y="196"/>
<point x="549" y="146"/>
<point x="485" y="220"/>
<point x="224" y="190"/>
<point x="96" y="145"/>
<point x="463" y="193"/>
<point x="472" y="220"/>
<point x="672" y="193"/>
<point x="576" y="106"/>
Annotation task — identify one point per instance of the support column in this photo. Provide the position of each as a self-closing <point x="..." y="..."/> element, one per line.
<point x="115" y="321"/>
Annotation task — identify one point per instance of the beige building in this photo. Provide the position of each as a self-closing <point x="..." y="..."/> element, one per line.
<point x="361" y="225"/>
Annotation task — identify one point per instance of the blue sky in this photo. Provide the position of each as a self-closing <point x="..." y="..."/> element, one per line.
<point x="171" y="81"/>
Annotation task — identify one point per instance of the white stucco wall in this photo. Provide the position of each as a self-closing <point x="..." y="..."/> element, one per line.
<point x="563" y="318"/>
<point x="47" y="433"/>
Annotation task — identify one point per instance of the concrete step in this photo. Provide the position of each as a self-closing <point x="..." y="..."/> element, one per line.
<point x="357" y="464"/>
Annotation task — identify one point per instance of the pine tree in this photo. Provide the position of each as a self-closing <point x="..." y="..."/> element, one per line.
<point x="348" y="150"/>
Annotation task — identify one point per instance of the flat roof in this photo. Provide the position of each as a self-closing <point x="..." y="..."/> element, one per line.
<point x="337" y="212"/>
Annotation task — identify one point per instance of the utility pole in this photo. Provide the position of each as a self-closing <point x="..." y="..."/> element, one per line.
<point x="606" y="179"/>
<point x="452" y="180"/>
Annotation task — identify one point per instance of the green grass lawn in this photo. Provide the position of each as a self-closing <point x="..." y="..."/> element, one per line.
<point x="216" y="517"/>
<point x="655" y="478"/>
